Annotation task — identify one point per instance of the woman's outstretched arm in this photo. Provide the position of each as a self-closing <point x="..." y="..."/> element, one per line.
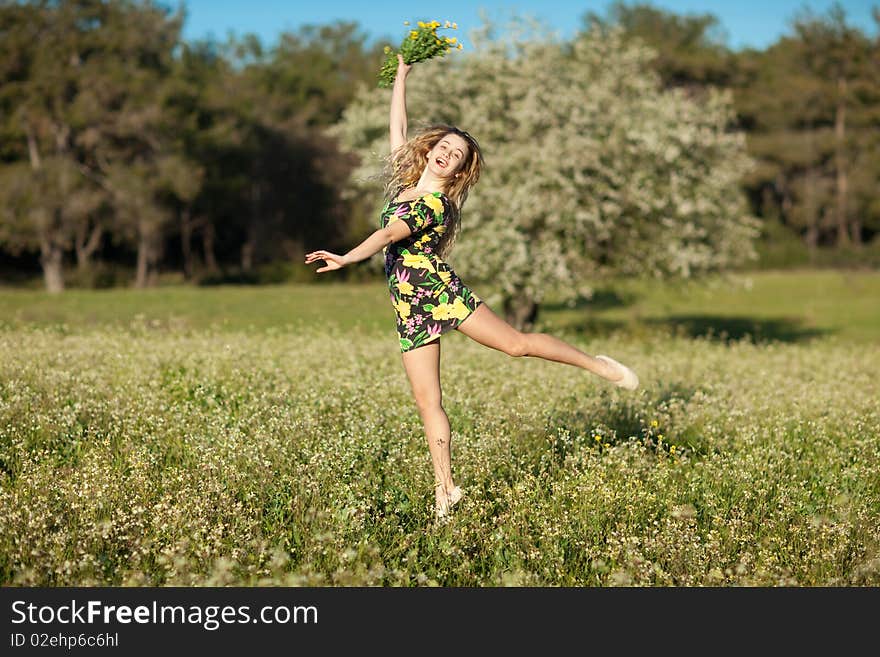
<point x="396" y="230"/>
<point x="397" y="119"/>
<point x="378" y="240"/>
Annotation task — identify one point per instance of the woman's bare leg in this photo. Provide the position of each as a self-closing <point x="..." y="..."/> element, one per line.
<point x="422" y="367"/>
<point x="487" y="328"/>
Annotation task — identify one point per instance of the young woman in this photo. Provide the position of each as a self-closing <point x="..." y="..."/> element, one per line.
<point x="428" y="181"/>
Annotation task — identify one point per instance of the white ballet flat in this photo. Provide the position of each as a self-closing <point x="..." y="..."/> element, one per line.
<point x="451" y="499"/>
<point x="629" y="380"/>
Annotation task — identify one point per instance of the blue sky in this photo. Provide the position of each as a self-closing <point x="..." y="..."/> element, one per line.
<point x="747" y="23"/>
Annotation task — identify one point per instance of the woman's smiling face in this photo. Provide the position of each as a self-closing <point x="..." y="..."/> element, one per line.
<point x="448" y="155"/>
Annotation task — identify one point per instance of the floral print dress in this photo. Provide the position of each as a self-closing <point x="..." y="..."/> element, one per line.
<point x="427" y="296"/>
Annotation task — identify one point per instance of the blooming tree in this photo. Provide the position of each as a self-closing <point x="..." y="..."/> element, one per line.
<point x="591" y="168"/>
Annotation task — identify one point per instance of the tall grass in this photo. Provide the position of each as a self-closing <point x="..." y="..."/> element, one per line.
<point x="137" y="451"/>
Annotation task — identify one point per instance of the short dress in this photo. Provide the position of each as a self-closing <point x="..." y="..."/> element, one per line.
<point x="428" y="298"/>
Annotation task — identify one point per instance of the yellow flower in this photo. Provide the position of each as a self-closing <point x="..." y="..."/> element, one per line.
<point x="672" y="449"/>
<point x="434" y="203"/>
<point x="405" y="289"/>
<point x="459" y="47"/>
<point x="421" y="24"/>
<point x="417" y="262"/>
<point x="654" y="423"/>
<point x="458" y="309"/>
<point x="402" y="309"/>
<point x="387" y="49"/>
<point x="453" y="40"/>
<point x="435" y="24"/>
<point x="455" y="26"/>
<point x="441" y="311"/>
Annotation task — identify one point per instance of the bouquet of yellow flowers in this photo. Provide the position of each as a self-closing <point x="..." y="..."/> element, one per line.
<point x="420" y="44"/>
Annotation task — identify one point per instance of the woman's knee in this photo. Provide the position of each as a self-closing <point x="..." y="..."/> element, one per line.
<point x="518" y="345"/>
<point x="428" y="401"/>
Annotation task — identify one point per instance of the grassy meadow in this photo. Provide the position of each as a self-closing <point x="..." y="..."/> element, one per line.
<point x="267" y="436"/>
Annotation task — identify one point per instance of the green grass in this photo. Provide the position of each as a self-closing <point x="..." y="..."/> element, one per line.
<point x="259" y="436"/>
<point x="766" y="305"/>
<point x="195" y="308"/>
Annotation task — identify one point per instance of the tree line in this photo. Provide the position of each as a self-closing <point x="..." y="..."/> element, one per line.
<point x="121" y="141"/>
<point x="123" y="144"/>
<point x="809" y="105"/>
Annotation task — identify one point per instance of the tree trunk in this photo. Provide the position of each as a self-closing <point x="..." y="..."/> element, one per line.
<point x="208" y="247"/>
<point x="140" y="280"/>
<point x="85" y="247"/>
<point x="51" y="255"/>
<point x="149" y="252"/>
<point x="51" y="258"/>
<point x="247" y="256"/>
<point x="33" y="151"/>
<point x="856" y="226"/>
<point x="812" y="213"/>
<point x="785" y="208"/>
<point x="146" y="259"/>
<point x="840" y="163"/>
<point x="249" y="248"/>
<point x="520" y="312"/>
<point x="186" y="230"/>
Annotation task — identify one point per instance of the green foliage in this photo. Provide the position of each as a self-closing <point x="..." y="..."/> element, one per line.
<point x="419" y="45"/>
<point x="689" y="49"/>
<point x="780" y="248"/>
<point x="592" y="168"/>
<point x="118" y="139"/>
<point x="122" y="145"/>
<point x="313" y="71"/>
<point x="809" y="103"/>
<point x="86" y="92"/>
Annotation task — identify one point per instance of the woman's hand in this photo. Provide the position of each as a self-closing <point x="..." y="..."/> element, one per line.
<point x="402" y="69"/>
<point x="332" y="261"/>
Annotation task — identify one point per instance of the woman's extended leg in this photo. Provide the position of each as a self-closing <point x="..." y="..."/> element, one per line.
<point x="422" y="367"/>
<point x="487" y="328"/>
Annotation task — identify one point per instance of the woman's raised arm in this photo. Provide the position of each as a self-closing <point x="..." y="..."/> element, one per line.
<point x="397" y="120"/>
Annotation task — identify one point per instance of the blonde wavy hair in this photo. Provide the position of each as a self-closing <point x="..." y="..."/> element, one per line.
<point x="406" y="164"/>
